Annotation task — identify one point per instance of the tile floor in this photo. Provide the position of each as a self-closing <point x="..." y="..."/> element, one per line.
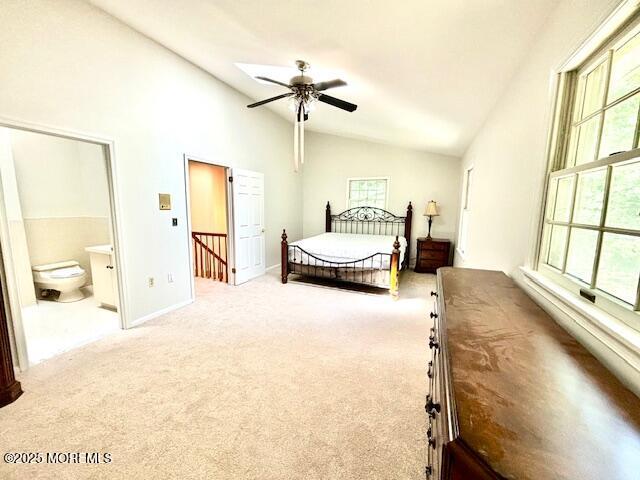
<point x="53" y="327"/>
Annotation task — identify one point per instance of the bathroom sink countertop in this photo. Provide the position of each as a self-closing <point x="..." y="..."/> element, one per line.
<point x="106" y="249"/>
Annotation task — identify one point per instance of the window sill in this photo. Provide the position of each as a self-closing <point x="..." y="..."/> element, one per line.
<point x="613" y="333"/>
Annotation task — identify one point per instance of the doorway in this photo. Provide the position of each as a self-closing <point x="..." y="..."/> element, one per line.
<point x="209" y="220"/>
<point x="58" y="247"/>
<point x="216" y="192"/>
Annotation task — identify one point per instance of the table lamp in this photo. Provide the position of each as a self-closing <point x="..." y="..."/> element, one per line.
<point x="431" y="211"/>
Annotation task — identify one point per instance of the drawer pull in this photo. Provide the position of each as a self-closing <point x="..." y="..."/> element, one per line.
<point x="430" y="370"/>
<point x="433" y="315"/>
<point x="434" y="294"/>
<point x="433" y="343"/>
<point x="431" y="408"/>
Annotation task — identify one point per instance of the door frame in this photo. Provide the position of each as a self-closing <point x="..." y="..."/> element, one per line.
<point x="187" y="190"/>
<point x="115" y="229"/>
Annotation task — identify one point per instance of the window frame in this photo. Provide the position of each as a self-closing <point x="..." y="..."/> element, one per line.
<point x="465" y="210"/>
<point x="386" y="192"/>
<point x="562" y="165"/>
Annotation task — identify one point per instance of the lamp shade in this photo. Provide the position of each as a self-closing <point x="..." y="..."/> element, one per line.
<point x="431" y="210"/>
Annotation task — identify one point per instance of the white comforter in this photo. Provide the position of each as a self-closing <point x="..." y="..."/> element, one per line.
<point x="347" y="247"/>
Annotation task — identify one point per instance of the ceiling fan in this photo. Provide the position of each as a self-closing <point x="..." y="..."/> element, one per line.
<point x="303" y="94"/>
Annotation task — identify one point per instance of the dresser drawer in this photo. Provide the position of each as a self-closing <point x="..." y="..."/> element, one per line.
<point x="439" y="255"/>
<point x="434" y="246"/>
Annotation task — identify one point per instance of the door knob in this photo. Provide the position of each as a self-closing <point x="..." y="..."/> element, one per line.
<point x="263" y="230"/>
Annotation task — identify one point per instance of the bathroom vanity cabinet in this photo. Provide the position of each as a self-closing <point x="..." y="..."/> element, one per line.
<point x="103" y="271"/>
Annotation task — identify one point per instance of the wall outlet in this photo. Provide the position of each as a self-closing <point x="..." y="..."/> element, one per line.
<point x="152" y="282"/>
<point x="170" y="278"/>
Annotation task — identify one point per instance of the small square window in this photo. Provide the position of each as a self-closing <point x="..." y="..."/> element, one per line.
<point x="367" y="192"/>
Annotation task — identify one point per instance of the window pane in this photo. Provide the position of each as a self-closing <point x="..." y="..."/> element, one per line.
<point x="619" y="127"/>
<point x="544" y="244"/>
<point x="582" y="251"/>
<point x="587" y="139"/>
<point x="563" y="199"/>
<point x="551" y="197"/>
<point x="557" y="245"/>
<point x="623" y="210"/>
<point x="573" y="143"/>
<point x="594" y="91"/>
<point x="625" y="69"/>
<point x="577" y="112"/>
<point x="589" y="195"/>
<point x="467" y="191"/>
<point x="619" y="266"/>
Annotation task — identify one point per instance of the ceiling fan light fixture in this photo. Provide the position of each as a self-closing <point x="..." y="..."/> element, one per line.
<point x="302" y="96"/>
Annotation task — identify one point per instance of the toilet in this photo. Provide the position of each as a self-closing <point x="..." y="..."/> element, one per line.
<point x="63" y="277"/>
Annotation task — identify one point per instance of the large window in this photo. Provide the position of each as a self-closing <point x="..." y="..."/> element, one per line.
<point x="367" y="192"/>
<point x="591" y="234"/>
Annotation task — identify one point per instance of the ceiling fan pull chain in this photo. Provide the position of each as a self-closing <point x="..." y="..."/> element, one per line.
<point x="301" y="134"/>
<point x="295" y="145"/>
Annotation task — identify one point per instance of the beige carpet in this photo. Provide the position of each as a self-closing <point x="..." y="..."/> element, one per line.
<point x="263" y="381"/>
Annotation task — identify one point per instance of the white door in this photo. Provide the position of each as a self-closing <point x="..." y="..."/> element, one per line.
<point x="248" y="224"/>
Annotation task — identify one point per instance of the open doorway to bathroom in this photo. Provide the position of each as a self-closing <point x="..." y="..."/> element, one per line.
<point x="209" y="220"/>
<point x="57" y="241"/>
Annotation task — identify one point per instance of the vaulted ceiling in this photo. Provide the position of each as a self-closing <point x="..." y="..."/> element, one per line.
<point x="424" y="73"/>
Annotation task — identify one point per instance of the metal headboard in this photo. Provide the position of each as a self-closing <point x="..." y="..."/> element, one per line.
<point x="368" y="220"/>
<point x="372" y="221"/>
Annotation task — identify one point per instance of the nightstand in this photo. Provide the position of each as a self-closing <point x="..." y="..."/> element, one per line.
<point x="433" y="253"/>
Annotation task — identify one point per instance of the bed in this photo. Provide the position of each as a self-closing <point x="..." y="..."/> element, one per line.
<point x="364" y="245"/>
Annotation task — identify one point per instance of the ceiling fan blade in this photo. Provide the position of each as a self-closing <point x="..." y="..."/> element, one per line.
<point x="336" y="102"/>
<point x="320" y="86"/>
<point x="272" y="99"/>
<point x="273" y="81"/>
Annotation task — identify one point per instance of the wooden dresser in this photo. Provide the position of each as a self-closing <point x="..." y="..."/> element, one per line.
<point x="432" y="253"/>
<point x="513" y="396"/>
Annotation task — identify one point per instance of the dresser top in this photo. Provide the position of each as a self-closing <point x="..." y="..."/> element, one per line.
<point x="531" y="401"/>
<point x="425" y="239"/>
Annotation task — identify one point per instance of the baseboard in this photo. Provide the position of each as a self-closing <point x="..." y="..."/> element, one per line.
<point x="277" y="265"/>
<point x="159" y="313"/>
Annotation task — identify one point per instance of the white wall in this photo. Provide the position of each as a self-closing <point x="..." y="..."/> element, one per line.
<point x="64" y="198"/>
<point x="71" y="66"/>
<point x="509" y="160"/>
<point x="415" y="176"/>
<point x="509" y="152"/>
<point x="59" y="177"/>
